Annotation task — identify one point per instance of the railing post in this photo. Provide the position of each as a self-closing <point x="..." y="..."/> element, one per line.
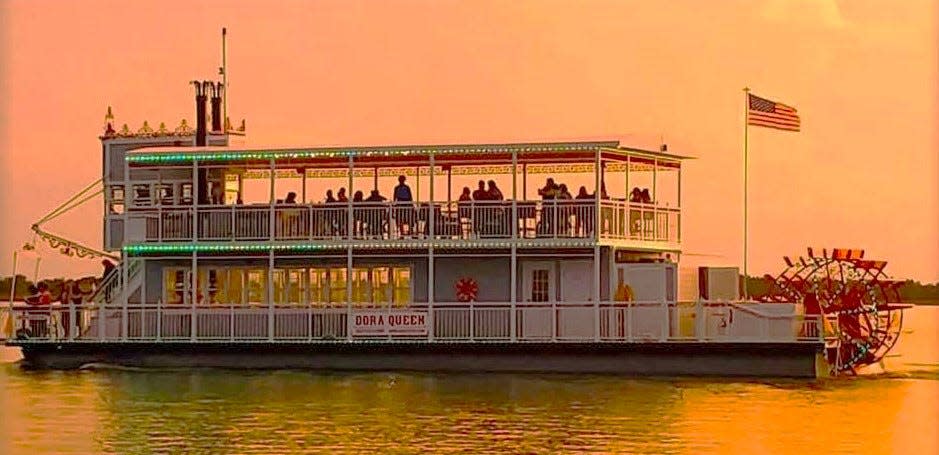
<point x="71" y="320"/>
<point x="472" y="321"/>
<point x="629" y="321"/>
<point x="159" y="320"/>
<point x="666" y="333"/>
<point x="231" y="322"/>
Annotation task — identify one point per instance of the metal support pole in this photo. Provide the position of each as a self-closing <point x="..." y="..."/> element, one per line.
<point x="270" y="222"/>
<point x="596" y="246"/>
<point x="430" y="254"/>
<point x="193" y="295"/>
<point x="143" y="300"/>
<point x="678" y="228"/>
<point x="350" y="226"/>
<point x="270" y="295"/>
<point x="124" y="296"/>
<point x="655" y="200"/>
<point x="513" y="335"/>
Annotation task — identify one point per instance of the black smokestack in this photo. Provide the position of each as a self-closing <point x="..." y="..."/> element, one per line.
<point x="217" y="107"/>
<point x="200" y="111"/>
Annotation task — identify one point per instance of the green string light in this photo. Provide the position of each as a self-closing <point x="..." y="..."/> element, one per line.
<point x="248" y="155"/>
<point x="189" y="248"/>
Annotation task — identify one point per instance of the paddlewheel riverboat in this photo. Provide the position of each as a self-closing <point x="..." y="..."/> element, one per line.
<point x="542" y="256"/>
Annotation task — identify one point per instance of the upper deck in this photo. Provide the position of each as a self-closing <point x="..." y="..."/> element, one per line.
<point x="225" y="198"/>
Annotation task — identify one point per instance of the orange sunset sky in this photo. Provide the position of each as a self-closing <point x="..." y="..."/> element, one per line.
<point x="864" y="76"/>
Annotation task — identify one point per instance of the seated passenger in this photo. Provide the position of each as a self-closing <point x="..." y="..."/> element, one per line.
<point x="291" y="198"/>
<point x="644" y="197"/>
<point x="358" y="197"/>
<point x="635" y="195"/>
<point x="329" y="197"/>
<point x="550" y="190"/>
<point x="341" y="196"/>
<point x="402" y="192"/>
<point x="375" y="196"/>
<point x="583" y="194"/>
<point x="494" y="193"/>
<point x="563" y="193"/>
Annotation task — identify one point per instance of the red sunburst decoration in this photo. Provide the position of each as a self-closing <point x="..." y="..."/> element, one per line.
<point x="467" y="289"/>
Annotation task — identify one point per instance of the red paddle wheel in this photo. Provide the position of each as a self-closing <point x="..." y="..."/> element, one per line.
<point x="860" y="303"/>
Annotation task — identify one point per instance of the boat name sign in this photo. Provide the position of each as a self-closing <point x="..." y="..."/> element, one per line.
<point x="389" y="323"/>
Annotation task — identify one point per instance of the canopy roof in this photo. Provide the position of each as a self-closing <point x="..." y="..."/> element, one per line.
<point x="400" y="155"/>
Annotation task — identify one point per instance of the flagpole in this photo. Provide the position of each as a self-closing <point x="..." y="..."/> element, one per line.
<point x="746" y="163"/>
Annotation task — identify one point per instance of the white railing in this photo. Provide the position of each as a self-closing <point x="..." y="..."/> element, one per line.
<point x="552" y="219"/>
<point x="446" y="322"/>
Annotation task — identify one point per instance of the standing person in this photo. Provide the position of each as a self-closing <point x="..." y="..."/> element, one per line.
<point x="465" y="195"/>
<point x="329" y="197"/>
<point x="481" y="194"/>
<point x="565" y="209"/>
<point x="494" y="193"/>
<point x="584" y="216"/>
<point x="403" y="213"/>
<point x="548" y="194"/>
<point x="341" y="196"/>
<point x="402" y="191"/>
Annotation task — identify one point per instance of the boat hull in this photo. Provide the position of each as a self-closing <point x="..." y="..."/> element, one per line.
<point x="642" y="359"/>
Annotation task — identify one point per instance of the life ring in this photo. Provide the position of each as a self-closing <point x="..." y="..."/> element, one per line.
<point x="467" y="289"/>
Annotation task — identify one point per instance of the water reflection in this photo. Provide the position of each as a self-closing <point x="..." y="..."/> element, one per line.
<point x="219" y="411"/>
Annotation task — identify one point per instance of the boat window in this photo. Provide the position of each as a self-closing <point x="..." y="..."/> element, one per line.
<point x="176" y="286"/>
<point x="337" y="285"/>
<point x="381" y="286"/>
<point x="142" y="195"/>
<point x="257" y="286"/>
<point x="319" y="286"/>
<point x="232" y="288"/>
<point x="402" y="286"/>
<point x="185" y="193"/>
<point x="360" y="286"/>
<point x="165" y="194"/>
<point x="292" y="287"/>
<point x="539" y="285"/>
<point x="117" y="199"/>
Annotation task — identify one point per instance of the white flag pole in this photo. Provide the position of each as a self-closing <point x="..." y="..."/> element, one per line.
<point x="746" y="158"/>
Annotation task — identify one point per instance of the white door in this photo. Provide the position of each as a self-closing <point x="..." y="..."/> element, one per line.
<point x="576" y="281"/>
<point x="538" y="281"/>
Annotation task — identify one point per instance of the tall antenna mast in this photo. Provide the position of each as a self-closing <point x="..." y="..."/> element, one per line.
<point x="224" y="72"/>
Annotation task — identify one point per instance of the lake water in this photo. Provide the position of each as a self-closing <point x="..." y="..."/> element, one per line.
<point x="889" y="410"/>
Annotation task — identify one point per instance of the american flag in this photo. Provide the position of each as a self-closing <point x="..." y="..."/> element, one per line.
<point x="771" y="114"/>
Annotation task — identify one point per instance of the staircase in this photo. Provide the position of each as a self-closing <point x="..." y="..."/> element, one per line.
<point x="108" y="300"/>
